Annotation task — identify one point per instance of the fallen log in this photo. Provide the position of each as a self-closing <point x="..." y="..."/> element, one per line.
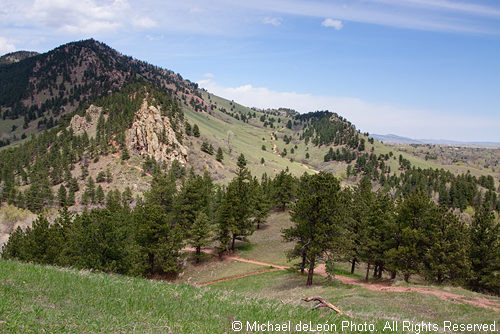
<point x="322" y="303"/>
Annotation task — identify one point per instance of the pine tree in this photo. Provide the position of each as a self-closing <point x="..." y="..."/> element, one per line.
<point x="262" y="204"/>
<point x="71" y="198"/>
<point x="160" y="241"/>
<point x="61" y="196"/>
<point x="125" y="154"/>
<point x="485" y="251"/>
<point x="99" y="195"/>
<point x="200" y="234"/>
<point x="220" y="155"/>
<point x="283" y="189"/>
<point x="318" y="222"/>
<point x="90" y="189"/>
<point x="447" y="257"/>
<point x="196" y="131"/>
<point x="414" y="221"/>
<point x="127" y="197"/>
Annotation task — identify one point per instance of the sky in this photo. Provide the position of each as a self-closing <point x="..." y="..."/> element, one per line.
<point x="416" y="68"/>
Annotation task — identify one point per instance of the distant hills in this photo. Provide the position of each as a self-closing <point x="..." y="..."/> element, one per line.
<point x="17" y="56"/>
<point x="391" y="138"/>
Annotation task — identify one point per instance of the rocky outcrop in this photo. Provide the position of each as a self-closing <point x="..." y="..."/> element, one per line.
<point x="152" y="135"/>
<point x="88" y="122"/>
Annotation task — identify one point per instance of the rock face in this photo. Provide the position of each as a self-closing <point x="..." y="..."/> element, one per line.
<point x="152" y="135"/>
<point x="88" y="122"/>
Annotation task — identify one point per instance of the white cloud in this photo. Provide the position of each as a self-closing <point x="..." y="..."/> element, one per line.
<point x="84" y="16"/>
<point x="144" y="22"/>
<point x="374" y="118"/>
<point x="209" y="75"/>
<point x="336" y="24"/>
<point x="6" y="45"/>
<point x="475" y="9"/>
<point x="275" y="21"/>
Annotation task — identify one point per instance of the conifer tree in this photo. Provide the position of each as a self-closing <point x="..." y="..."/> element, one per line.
<point x="125" y="154"/>
<point x="414" y="221"/>
<point x="200" y="234"/>
<point x="283" y="189"/>
<point x="447" y="257"/>
<point x="61" y="196"/>
<point x="196" y="131"/>
<point x="99" y="195"/>
<point x="262" y="204"/>
<point x="485" y="251"/>
<point x="71" y="198"/>
<point x="220" y="155"/>
<point x="318" y="219"/>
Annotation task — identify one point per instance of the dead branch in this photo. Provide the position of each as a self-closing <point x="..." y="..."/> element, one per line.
<point x="322" y="303"/>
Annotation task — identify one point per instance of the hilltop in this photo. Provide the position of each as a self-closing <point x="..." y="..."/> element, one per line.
<point x="15" y="57"/>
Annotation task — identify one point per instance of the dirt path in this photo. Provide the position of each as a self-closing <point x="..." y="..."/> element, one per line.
<point x="383" y="286"/>
<point x="386" y="287"/>
<point x="238" y="276"/>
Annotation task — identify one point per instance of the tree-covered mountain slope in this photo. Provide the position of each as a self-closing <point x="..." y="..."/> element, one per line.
<point x="98" y="119"/>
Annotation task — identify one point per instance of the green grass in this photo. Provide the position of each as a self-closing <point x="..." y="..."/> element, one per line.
<point x="36" y="299"/>
<point x="362" y="304"/>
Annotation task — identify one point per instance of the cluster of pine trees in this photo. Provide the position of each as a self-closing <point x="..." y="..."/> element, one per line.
<point x="407" y="236"/>
<point x="148" y="239"/>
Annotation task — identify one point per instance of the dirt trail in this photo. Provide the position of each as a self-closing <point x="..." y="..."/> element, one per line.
<point x="238" y="276"/>
<point x="383" y="286"/>
<point x="386" y="287"/>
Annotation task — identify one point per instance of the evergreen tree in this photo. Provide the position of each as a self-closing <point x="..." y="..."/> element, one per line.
<point x="414" y="221"/>
<point x="318" y="219"/>
<point x="90" y="189"/>
<point x="283" y="189"/>
<point x="235" y="211"/>
<point x="125" y="154"/>
<point x="220" y="155"/>
<point x="485" y="251"/>
<point x="196" y="131"/>
<point x="71" y="198"/>
<point x="447" y="257"/>
<point x="61" y="196"/>
<point x="200" y="234"/>
<point x="262" y="204"/>
<point x="99" y="195"/>
<point x="160" y="240"/>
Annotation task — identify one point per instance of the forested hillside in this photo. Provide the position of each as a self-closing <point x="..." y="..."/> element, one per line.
<point x="141" y="163"/>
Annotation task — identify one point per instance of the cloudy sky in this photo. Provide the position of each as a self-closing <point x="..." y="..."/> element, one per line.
<point x="416" y="68"/>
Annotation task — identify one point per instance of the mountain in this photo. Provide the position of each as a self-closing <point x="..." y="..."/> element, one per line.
<point x="15" y="57"/>
<point x="36" y="91"/>
<point x="87" y="116"/>
<point x="395" y="139"/>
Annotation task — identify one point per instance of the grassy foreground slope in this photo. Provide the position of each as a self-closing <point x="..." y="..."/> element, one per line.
<point x="35" y="299"/>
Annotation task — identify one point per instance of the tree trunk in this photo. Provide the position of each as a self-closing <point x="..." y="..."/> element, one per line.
<point x="258" y="224"/>
<point x="310" y="273"/>
<point x="353" y="266"/>
<point x="406" y="277"/>
<point x="375" y="271"/>
<point x="367" y="271"/>
<point x="303" y="264"/>
<point x="380" y="271"/>
<point x="198" y="253"/>
<point x="232" y="243"/>
<point x="393" y="274"/>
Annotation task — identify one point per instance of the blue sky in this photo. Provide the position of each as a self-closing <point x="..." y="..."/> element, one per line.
<point x="416" y="68"/>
